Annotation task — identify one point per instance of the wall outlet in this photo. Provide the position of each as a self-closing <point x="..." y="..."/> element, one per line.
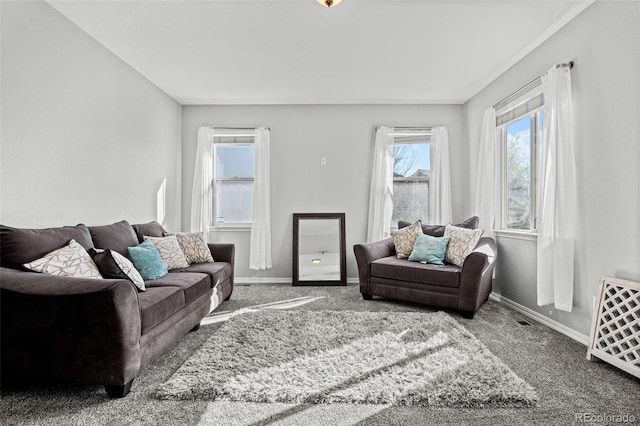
<point x="323" y="161"/>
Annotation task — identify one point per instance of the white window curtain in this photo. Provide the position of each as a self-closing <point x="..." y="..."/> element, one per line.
<point x="202" y="192"/>
<point x="440" y="184"/>
<point x="488" y="197"/>
<point x="380" y="202"/>
<point x="557" y="199"/>
<point x="260" y="249"/>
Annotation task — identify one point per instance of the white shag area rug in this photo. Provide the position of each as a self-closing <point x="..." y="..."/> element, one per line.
<point x="425" y="359"/>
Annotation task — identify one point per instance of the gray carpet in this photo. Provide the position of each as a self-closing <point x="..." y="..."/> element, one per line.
<point x="554" y="365"/>
<point x="401" y="358"/>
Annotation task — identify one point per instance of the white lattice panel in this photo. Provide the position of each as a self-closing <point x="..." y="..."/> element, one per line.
<point x="615" y="331"/>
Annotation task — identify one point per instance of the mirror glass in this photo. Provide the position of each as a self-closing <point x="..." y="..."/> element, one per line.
<point x="319" y="255"/>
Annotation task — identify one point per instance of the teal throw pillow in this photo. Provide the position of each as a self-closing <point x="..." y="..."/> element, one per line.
<point x="428" y="249"/>
<point x="147" y="260"/>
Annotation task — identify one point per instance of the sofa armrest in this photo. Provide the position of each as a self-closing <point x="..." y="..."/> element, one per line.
<point x="224" y="252"/>
<point x="477" y="275"/>
<point x="68" y="329"/>
<point x="366" y="253"/>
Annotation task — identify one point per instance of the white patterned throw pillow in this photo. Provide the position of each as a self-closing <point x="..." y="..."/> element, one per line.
<point x="71" y="260"/>
<point x="170" y="251"/>
<point x="461" y="244"/>
<point x="405" y="238"/>
<point x="194" y="247"/>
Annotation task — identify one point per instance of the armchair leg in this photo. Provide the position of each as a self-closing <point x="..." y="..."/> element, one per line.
<point x="468" y="315"/>
<point x="195" y="328"/>
<point x="118" y="391"/>
<point x="366" y="296"/>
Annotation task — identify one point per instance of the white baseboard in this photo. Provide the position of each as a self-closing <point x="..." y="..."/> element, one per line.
<point x="555" y="325"/>
<point x="284" y="280"/>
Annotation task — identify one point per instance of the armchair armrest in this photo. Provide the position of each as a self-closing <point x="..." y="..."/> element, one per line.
<point x="477" y="275"/>
<point x="366" y="253"/>
<point x="69" y="329"/>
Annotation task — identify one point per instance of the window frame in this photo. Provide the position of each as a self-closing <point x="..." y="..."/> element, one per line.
<point x="228" y="139"/>
<point x="535" y="145"/>
<point x="425" y="135"/>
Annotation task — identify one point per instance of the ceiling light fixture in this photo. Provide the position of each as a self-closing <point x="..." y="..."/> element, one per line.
<point x="329" y="3"/>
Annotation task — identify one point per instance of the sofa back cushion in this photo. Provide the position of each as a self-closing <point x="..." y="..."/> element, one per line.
<point x="151" y="229"/>
<point x="117" y="237"/>
<point x="438" y="230"/>
<point x="20" y="245"/>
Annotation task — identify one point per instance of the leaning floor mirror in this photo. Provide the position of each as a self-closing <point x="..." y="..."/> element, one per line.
<point x="319" y="254"/>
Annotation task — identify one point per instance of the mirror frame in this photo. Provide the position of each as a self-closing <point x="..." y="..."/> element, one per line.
<point x="297" y="217"/>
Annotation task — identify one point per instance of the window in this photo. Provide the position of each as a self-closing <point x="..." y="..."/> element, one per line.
<point x="233" y="175"/>
<point x="520" y="132"/>
<point x="411" y="175"/>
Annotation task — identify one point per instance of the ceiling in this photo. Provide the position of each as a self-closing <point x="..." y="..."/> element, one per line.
<point x="298" y="52"/>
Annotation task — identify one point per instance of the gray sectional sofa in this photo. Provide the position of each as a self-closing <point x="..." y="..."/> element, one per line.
<point x="105" y="331"/>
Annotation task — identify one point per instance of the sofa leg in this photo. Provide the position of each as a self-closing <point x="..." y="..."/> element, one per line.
<point x="366" y="296"/>
<point x="227" y="298"/>
<point x="195" y="328"/>
<point x="118" y="391"/>
<point x="468" y="315"/>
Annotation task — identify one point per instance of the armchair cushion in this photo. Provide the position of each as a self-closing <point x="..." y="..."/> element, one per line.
<point x="428" y="249"/>
<point x="438" y="230"/>
<point x="405" y="239"/>
<point x="396" y="269"/>
<point x="462" y="242"/>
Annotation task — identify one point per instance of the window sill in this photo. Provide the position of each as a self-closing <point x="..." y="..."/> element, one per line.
<point x="516" y="235"/>
<point x="230" y="228"/>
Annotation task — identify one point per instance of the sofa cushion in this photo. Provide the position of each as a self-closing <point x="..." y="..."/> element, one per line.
<point x="438" y="230"/>
<point x="405" y="238"/>
<point x="159" y="303"/>
<point x="194" y="247"/>
<point x="147" y="260"/>
<point x="151" y="229"/>
<point x="401" y="269"/>
<point x="72" y="260"/>
<point x="19" y="246"/>
<point x="169" y="250"/>
<point x="112" y="264"/>
<point x="193" y="285"/>
<point x="118" y="237"/>
<point x="218" y="271"/>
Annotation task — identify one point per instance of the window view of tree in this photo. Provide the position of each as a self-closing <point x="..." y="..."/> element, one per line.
<point x="411" y="174"/>
<point x="520" y="172"/>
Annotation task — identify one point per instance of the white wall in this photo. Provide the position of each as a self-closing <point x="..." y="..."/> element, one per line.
<point x="84" y="138"/>
<point x="300" y="136"/>
<point x="604" y="42"/>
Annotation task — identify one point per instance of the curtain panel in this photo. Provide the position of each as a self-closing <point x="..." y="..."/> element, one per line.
<point x="202" y="192"/>
<point x="440" y="185"/>
<point x="557" y="196"/>
<point x="380" y="201"/>
<point x="488" y="205"/>
<point x="260" y="249"/>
